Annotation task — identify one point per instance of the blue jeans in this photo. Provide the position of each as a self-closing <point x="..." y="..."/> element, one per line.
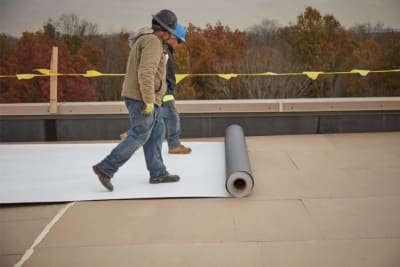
<point x="172" y="122"/>
<point x="146" y="131"/>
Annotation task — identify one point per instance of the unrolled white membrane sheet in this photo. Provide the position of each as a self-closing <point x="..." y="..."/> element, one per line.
<point x="33" y="173"/>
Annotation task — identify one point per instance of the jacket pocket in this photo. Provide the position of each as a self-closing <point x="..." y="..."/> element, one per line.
<point x="160" y="85"/>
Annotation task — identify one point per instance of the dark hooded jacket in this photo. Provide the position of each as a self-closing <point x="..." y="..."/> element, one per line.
<point x="171" y="80"/>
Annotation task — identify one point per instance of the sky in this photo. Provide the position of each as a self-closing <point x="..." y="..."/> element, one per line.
<point x="17" y="16"/>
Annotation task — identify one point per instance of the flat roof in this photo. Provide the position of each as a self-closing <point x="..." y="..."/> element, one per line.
<point x="318" y="200"/>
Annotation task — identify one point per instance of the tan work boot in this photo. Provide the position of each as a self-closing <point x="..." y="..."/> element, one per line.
<point x="181" y="149"/>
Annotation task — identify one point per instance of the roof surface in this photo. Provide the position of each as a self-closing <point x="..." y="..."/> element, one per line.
<point x="318" y="200"/>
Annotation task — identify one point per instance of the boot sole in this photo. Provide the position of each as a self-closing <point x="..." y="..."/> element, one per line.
<point x="161" y="181"/>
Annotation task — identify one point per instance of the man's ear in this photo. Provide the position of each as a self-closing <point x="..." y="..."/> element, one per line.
<point x="167" y="35"/>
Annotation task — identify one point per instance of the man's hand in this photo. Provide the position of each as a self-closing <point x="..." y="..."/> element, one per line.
<point x="149" y="109"/>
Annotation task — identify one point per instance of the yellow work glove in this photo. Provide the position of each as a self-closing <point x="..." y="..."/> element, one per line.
<point x="149" y="109"/>
<point x="167" y="98"/>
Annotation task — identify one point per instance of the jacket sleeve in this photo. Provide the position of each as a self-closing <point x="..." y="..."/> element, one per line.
<point x="151" y="52"/>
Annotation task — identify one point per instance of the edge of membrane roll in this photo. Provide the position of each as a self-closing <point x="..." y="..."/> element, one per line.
<point x="239" y="179"/>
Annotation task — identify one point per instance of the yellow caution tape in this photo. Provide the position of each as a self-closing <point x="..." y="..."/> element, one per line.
<point x="92" y="73"/>
<point x="44" y="71"/>
<point x="227" y="76"/>
<point x="179" y="77"/>
<point x="313" y="75"/>
<point x="26" y="76"/>
<point x="269" y="73"/>
<point x="7" y="76"/>
<point x="361" y="72"/>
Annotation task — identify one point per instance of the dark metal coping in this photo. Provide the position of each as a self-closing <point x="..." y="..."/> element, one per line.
<point x="106" y="120"/>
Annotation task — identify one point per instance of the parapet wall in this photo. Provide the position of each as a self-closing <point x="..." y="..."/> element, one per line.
<point x="202" y="118"/>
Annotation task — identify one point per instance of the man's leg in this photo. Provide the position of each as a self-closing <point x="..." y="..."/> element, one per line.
<point x="137" y="135"/>
<point x="152" y="152"/>
<point x="172" y="121"/>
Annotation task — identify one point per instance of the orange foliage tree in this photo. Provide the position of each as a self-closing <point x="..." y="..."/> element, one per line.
<point x="215" y="49"/>
<point x="33" y="51"/>
<point x="368" y="56"/>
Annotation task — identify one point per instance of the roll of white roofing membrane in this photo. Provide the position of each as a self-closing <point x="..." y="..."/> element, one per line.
<point x="239" y="179"/>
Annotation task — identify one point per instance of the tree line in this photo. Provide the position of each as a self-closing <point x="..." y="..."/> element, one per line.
<point x="315" y="42"/>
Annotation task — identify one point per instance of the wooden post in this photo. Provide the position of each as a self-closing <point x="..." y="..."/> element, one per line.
<point x="53" y="80"/>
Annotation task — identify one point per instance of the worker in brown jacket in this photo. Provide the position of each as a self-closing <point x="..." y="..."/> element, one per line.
<point x="169" y="112"/>
<point x="143" y="88"/>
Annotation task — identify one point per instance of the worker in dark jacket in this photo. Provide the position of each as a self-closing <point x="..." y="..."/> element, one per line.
<point x="169" y="112"/>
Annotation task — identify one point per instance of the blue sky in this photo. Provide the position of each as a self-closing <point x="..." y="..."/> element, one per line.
<point x="129" y="15"/>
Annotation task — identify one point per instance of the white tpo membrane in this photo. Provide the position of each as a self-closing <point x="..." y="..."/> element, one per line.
<point x="63" y="172"/>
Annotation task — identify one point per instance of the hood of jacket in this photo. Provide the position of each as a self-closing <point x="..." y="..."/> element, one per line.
<point x="142" y="31"/>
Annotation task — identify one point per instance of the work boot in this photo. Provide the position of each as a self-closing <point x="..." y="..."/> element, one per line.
<point x="169" y="178"/>
<point x="181" y="149"/>
<point x="104" y="180"/>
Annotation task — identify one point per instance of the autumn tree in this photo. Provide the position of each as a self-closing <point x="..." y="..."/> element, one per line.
<point x="269" y="53"/>
<point x="115" y="55"/>
<point x="314" y="43"/>
<point x="70" y="24"/>
<point x="264" y="34"/>
<point x="319" y="43"/>
<point x="367" y="31"/>
<point x="6" y="48"/>
<point x="215" y="49"/>
<point x="77" y="54"/>
<point x="367" y="55"/>
<point x="375" y="50"/>
<point x="391" y="60"/>
<point x="23" y="60"/>
<point x="49" y="29"/>
<point x="34" y="51"/>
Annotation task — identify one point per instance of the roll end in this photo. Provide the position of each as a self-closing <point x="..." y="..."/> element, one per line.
<point x="239" y="184"/>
